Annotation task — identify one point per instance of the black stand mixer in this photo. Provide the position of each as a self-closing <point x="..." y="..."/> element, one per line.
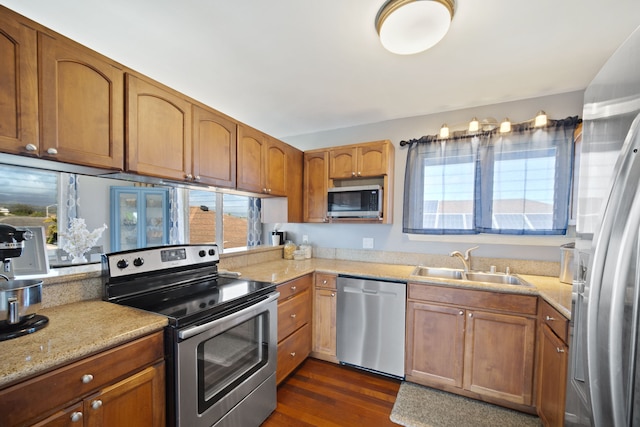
<point x="19" y="299"/>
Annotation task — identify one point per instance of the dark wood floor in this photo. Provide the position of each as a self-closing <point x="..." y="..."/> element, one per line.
<point x="325" y="394"/>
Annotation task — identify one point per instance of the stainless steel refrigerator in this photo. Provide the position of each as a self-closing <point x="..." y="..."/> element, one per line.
<point x="603" y="384"/>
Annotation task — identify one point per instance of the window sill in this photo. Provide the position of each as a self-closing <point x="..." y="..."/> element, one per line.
<point x="495" y="239"/>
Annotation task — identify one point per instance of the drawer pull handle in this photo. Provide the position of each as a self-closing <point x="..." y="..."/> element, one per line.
<point x="549" y="319"/>
<point x="87" y="378"/>
<point x="560" y="350"/>
<point x="293" y="288"/>
<point x="293" y="354"/>
<point x="96" y="404"/>
<point x="293" y="316"/>
<point x="76" y="416"/>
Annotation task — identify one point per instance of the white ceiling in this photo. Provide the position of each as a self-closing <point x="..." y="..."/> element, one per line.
<point x="290" y="67"/>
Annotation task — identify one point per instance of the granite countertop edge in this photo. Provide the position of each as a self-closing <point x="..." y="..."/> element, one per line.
<point x="556" y="293"/>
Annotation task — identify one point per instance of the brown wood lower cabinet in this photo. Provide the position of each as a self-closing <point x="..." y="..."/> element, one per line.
<point x="476" y="343"/>
<point x="324" y="317"/>
<point x="552" y="369"/>
<point x="294" y="325"/>
<point x="124" y="386"/>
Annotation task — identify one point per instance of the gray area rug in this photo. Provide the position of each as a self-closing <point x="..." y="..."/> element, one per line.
<point x="418" y="406"/>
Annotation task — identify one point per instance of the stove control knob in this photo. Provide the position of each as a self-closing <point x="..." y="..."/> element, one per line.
<point x="202" y="253"/>
<point x="122" y="264"/>
<point x="138" y="262"/>
<point x="212" y="252"/>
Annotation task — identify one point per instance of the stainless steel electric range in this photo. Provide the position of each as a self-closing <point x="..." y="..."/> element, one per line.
<point x="221" y="340"/>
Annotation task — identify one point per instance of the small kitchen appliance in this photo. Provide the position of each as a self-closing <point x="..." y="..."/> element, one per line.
<point x="221" y="342"/>
<point x="364" y="201"/>
<point x="19" y="299"/>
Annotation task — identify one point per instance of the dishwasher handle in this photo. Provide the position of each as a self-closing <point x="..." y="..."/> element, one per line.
<point x="372" y="292"/>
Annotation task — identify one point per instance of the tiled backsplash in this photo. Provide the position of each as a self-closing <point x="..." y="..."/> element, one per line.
<point x="73" y="285"/>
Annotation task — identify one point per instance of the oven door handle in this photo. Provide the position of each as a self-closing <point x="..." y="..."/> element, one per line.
<point x="256" y="308"/>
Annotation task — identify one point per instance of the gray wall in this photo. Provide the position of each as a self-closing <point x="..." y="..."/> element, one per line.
<point x="390" y="237"/>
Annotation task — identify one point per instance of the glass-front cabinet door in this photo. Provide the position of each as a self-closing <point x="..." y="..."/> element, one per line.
<point x="139" y="217"/>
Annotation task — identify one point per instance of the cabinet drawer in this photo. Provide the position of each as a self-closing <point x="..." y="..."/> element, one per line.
<point x="294" y="287"/>
<point x="293" y="351"/>
<point x="64" y="386"/>
<point x="557" y="322"/>
<point x="521" y="304"/>
<point x="293" y="313"/>
<point x="327" y="281"/>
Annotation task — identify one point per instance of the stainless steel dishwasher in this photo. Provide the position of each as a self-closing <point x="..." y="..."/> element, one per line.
<point x="371" y="324"/>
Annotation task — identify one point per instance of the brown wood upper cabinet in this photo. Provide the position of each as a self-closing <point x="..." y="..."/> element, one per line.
<point x="158" y="131"/>
<point x="360" y="161"/>
<point x="82" y="105"/>
<point x="18" y="86"/>
<point x="315" y="182"/>
<point x="214" y="148"/>
<point x="262" y="163"/>
<point x="80" y="100"/>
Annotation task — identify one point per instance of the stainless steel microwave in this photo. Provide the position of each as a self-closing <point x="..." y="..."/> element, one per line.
<point x="364" y="201"/>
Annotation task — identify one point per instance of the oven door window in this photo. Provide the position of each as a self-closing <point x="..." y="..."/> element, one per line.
<point x="229" y="358"/>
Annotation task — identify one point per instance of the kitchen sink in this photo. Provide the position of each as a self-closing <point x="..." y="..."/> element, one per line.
<point x="438" y="273"/>
<point x="471" y="276"/>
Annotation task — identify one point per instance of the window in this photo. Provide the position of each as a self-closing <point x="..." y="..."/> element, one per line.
<point x="517" y="183"/>
<point x="218" y="217"/>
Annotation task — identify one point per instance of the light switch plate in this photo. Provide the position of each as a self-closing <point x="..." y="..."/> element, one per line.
<point x="367" y="243"/>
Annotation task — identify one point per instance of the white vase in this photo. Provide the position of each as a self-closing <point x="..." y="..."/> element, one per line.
<point x="78" y="258"/>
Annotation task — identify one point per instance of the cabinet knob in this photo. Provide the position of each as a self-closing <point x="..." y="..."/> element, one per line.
<point x="461" y="312"/>
<point x="333" y="294"/>
<point x="293" y="288"/>
<point x="353" y="173"/>
<point x="549" y="319"/>
<point x="293" y="354"/>
<point x="76" y="416"/>
<point x="87" y="378"/>
<point x="52" y="151"/>
<point x="189" y="176"/>
<point x="96" y="404"/>
<point x="293" y="316"/>
<point x="560" y="350"/>
<point x="196" y="178"/>
<point x="470" y="314"/>
<point x="30" y="147"/>
<point x="324" y="282"/>
<point x="359" y="173"/>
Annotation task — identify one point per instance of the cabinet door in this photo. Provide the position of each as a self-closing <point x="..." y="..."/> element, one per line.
<point x="373" y="160"/>
<point x="294" y="185"/>
<point x="82" y="100"/>
<point x="214" y="148"/>
<point x="342" y="162"/>
<point x="18" y="87"/>
<point x="136" y="401"/>
<point x="158" y="131"/>
<point x="435" y="344"/>
<point x="251" y="153"/>
<point x="68" y="417"/>
<point x="276" y="168"/>
<point x="499" y="354"/>
<point x="324" y="325"/>
<point x="315" y="184"/>
<point x="552" y="378"/>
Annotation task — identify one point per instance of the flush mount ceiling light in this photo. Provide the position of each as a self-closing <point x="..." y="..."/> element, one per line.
<point x="406" y="27"/>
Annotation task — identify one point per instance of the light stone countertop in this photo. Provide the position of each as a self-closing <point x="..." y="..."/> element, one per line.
<point x="75" y="331"/>
<point x="553" y="291"/>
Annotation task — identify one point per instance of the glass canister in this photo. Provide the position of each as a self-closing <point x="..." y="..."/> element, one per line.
<point x="289" y="249"/>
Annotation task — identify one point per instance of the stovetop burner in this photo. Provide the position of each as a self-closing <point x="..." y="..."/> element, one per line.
<point x="179" y="281"/>
<point x="25" y="327"/>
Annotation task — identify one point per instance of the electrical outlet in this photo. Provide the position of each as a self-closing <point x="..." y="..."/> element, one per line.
<point x="367" y="243"/>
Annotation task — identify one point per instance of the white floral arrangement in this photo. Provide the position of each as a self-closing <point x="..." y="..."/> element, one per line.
<point x="77" y="239"/>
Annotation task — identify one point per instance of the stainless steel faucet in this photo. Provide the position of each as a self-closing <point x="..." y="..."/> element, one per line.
<point x="466" y="258"/>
